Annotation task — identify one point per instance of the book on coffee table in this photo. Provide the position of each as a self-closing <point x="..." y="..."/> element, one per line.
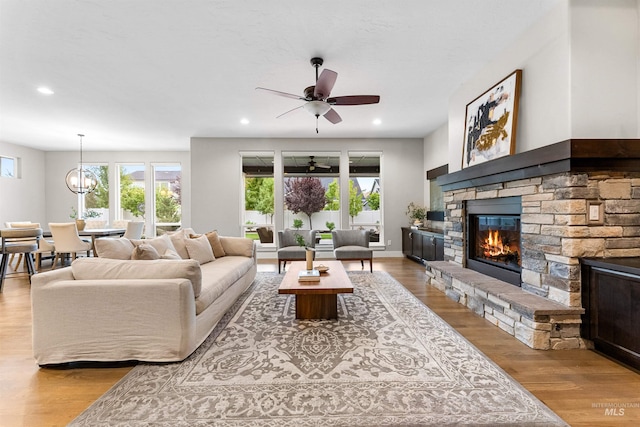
<point x="309" y="276"/>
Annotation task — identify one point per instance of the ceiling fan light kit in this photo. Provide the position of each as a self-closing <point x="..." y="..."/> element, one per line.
<point x="317" y="108"/>
<point x="318" y="102"/>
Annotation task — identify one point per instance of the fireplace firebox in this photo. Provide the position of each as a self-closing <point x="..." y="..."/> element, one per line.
<point x="493" y="238"/>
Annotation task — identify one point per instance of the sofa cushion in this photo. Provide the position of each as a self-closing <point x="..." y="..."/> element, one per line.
<point x="199" y="249"/>
<point x="114" y="248"/>
<point x="161" y="243"/>
<point x="145" y="251"/>
<point x="103" y="268"/>
<point x="218" y="276"/>
<point x="238" y="246"/>
<point x="214" y="241"/>
<point x="353" y="252"/>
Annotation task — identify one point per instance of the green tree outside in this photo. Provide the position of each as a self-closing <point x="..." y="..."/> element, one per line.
<point x="355" y="201"/>
<point x="99" y="198"/>
<point x="333" y="196"/>
<point x="167" y="207"/>
<point x="258" y="196"/>
<point x="373" y="201"/>
<point x="265" y="203"/>
<point x="131" y="197"/>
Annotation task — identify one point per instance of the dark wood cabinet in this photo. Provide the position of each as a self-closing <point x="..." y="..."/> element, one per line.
<point x="422" y="245"/>
<point x="611" y="299"/>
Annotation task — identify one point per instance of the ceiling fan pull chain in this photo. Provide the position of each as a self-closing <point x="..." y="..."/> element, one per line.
<point x="317" y="123"/>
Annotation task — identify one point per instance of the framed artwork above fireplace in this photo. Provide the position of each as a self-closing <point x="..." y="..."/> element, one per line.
<point x="490" y="122"/>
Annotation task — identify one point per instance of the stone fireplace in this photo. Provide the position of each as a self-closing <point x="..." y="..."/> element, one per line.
<point x="558" y="187"/>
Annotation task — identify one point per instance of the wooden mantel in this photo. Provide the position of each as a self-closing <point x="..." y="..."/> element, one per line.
<point x="572" y="155"/>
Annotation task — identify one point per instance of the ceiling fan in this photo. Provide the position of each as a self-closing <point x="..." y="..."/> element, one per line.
<point x="318" y="102"/>
<point x="313" y="164"/>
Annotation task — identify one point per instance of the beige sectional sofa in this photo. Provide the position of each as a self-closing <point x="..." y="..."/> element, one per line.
<point x="147" y="309"/>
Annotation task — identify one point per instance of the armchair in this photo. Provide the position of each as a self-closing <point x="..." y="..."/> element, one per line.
<point x="352" y="245"/>
<point x="265" y="234"/>
<point x="288" y="248"/>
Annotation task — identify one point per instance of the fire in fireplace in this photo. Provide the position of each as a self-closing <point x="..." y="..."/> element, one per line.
<point x="493" y="238"/>
<point x="497" y="240"/>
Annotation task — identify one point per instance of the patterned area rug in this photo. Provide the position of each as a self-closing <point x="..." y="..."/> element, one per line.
<point x="388" y="360"/>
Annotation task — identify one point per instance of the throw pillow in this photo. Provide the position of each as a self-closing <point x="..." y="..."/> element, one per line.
<point x="237" y="246"/>
<point x="214" y="241"/>
<point x="145" y="251"/>
<point x="114" y="248"/>
<point x="178" y="238"/>
<point x="200" y="249"/>
<point x="161" y="243"/>
<point x="169" y="254"/>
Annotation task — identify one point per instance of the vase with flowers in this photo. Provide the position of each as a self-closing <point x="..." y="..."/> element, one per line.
<point x="80" y="220"/>
<point x="308" y="251"/>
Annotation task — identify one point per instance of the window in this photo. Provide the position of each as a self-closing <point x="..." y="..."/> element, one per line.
<point x="168" y="203"/>
<point x="95" y="205"/>
<point x="131" y="192"/>
<point x="365" y="193"/>
<point x="309" y="174"/>
<point x="8" y="167"/>
<point x="258" y="197"/>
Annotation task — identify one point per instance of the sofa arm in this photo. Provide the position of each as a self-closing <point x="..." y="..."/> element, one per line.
<point x="42" y="279"/>
<point x="238" y="246"/>
<point x="112" y="320"/>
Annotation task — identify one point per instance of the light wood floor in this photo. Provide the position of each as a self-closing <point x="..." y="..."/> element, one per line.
<point x="571" y="382"/>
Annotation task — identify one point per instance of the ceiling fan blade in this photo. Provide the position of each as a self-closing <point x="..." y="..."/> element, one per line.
<point x="325" y="83"/>
<point x="287" y="112"/>
<point x="332" y="116"/>
<point x="354" y="100"/>
<point x="277" y="92"/>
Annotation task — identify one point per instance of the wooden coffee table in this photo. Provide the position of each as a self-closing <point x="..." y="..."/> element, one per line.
<point x="316" y="300"/>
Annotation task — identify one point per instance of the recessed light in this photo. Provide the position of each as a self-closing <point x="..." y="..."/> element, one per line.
<point x="244" y="121"/>
<point x="45" y="90"/>
<point x="377" y="122"/>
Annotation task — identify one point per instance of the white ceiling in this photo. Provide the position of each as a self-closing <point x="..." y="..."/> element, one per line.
<point x="150" y="74"/>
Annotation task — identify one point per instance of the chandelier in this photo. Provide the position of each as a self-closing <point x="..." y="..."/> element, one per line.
<point x="80" y="180"/>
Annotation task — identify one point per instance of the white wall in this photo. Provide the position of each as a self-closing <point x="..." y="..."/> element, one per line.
<point x="60" y="199"/>
<point x="216" y="177"/>
<point x="24" y="198"/>
<point x="580" y="79"/>
<point x="604" y="69"/>
<point x="543" y="53"/>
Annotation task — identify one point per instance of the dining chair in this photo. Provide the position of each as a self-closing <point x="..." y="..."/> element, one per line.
<point x="46" y="250"/>
<point x="16" y="224"/>
<point x="134" y="230"/>
<point x="18" y="241"/>
<point x="67" y="241"/>
<point x="352" y="245"/>
<point x="20" y="224"/>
